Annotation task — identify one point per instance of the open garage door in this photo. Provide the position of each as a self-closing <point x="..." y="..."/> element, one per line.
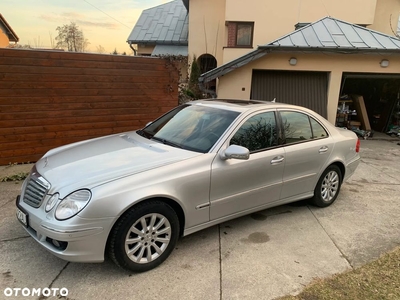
<point x="381" y="95"/>
<point x="308" y="89"/>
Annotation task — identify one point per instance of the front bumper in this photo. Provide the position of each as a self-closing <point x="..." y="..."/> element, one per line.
<point x="85" y="239"/>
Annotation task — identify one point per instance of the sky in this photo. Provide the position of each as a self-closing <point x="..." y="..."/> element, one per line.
<point x="104" y="22"/>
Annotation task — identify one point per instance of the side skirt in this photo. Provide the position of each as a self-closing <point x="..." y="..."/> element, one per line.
<point x="196" y="228"/>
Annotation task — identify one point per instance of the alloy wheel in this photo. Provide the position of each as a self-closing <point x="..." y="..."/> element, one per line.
<point x="330" y="186"/>
<point x="148" y="238"/>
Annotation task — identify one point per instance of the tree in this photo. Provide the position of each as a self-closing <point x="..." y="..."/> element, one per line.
<point x="194" y="79"/>
<point x="100" y="49"/>
<point x="71" y="38"/>
<point x="19" y="46"/>
<point x="115" y="52"/>
<point x="53" y="43"/>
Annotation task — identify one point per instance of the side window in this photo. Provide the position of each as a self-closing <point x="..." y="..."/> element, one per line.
<point x="317" y="129"/>
<point x="296" y="127"/>
<point x="257" y="133"/>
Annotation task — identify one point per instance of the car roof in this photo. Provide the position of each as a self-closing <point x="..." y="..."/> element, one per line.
<point x="243" y="105"/>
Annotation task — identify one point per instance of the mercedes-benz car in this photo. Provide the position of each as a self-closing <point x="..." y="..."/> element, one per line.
<point x="132" y="195"/>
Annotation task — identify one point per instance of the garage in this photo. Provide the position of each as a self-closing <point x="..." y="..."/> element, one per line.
<point x="321" y="66"/>
<point x="308" y="89"/>
<point x="381" y="95"/>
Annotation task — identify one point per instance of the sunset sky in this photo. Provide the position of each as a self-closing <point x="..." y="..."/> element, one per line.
<point x="35" y="21"/>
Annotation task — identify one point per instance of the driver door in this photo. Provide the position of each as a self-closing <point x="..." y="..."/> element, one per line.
<point x="239" y="185"/>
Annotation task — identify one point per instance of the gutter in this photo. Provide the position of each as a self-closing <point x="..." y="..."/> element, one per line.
<point x="339" y="50"/>
<point x="232" y="65"/>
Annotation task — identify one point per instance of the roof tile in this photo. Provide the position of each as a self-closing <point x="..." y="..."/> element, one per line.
<point x="166" y="23"/>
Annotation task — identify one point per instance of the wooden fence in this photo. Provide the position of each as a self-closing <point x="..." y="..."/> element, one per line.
<point x="50" y="98"/>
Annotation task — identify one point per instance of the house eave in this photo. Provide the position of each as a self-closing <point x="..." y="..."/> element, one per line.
<point x="186" y="3"/>
<point x="155" y="42"/>
<point x="337" y="50"/>
<point x="265" y="49"/>
<point x="12" y="36"/>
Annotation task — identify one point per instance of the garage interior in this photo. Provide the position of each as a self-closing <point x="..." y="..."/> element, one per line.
<point x="381" y="95"/>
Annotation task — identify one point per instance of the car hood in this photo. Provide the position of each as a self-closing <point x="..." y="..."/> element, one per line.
<point x="94" y="162"/>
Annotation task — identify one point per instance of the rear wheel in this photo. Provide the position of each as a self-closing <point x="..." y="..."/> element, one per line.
<point x="328" y="187"/>
<point x="144" y="237"/>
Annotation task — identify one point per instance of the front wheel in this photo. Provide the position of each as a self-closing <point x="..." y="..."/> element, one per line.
<point x="328" y="187"/>
<point x="144" y="237"/>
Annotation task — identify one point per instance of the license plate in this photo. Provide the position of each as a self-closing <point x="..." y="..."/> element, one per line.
<point x="22" y="217"/>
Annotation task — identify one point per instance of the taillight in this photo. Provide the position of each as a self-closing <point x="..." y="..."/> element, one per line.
<point x="358" y="146"/>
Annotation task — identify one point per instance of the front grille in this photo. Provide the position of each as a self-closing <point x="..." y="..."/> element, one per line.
<point x="35" y="191"/>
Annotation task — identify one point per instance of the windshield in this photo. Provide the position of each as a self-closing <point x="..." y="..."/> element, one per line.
<point x="191" y="127"/>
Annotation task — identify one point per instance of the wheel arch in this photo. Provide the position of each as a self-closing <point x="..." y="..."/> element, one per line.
<point x="174" y="205"/>
<point x="341" y="167"/>
<point x="337" y="163"/>
<point x="316" y="199"/>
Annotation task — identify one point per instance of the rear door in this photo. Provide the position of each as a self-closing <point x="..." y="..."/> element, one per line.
<point x="307" y="149"/>
<point x="238" y="185"/>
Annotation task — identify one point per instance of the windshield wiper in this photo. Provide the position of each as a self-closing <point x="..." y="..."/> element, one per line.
<point x="144" y="133"/>
<point x="165" y="142"/>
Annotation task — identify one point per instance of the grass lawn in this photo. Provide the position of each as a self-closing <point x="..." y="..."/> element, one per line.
<point x="378" y="280"/>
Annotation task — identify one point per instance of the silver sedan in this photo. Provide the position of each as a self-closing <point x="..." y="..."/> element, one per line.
<point x="132" y="195"/>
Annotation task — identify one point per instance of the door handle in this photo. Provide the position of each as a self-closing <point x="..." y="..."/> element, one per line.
<point x="323" y="149"/>
<point x="277" y="160"/>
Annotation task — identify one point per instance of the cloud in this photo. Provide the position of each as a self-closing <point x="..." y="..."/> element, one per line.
<point x="129" y="4"/>
<point x="79" y="19"/>
<point x="72" y="15"/>
<point x="98" y="24"/>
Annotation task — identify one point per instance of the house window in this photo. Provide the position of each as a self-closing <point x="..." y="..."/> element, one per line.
<point x="240" y="34"/>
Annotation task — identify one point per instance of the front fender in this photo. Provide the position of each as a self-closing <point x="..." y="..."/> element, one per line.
<point x="187" y="183"/>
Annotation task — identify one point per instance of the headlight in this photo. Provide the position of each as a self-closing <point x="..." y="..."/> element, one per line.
<point x="51" y="202"/>
<point x="72" y="204"/>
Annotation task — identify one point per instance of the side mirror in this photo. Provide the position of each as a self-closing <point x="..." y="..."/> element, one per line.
<point x="236" y="152"/>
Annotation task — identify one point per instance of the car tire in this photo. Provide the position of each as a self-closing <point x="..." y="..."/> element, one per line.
<point x="328" y="187"/>
<point x="144" y="236"/>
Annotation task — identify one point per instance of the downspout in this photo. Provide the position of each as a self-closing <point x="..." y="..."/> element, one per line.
<point x="134" y="50"/>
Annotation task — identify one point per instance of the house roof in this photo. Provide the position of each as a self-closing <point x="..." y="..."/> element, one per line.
<point x="325" y="35"/>
<point x="164" y="24"/>
<point x="176" y="50"/>
<point x="12" y="36"/>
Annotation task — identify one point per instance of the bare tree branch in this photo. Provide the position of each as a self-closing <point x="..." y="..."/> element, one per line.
<point x="71" y="38"/>
<point x="391" y="27"/>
